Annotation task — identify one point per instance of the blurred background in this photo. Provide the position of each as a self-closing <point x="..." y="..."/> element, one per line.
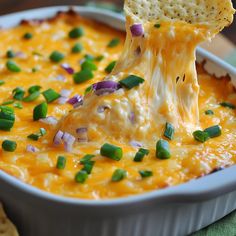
<point x="223" y="45"/>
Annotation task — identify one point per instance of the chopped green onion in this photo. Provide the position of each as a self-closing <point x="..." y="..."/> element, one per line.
<point x="37" y="54"/>
<point x="157" y="26"/>
<point x="83" y="76"/>
<point x="2" y="82"/>
<point x="31" y="97"/>
<point x="113" y="43"/>
<point x="7" y="102"/>
<point x="56" y="56"/>
<point x="213" y="131"/>
<point x="131" y="81"/>
<point x="88" y="166"/>
<point x="42" y="131"/>
<point x="209" y="112"/>
<point x="10" y="54"/>
<point x="201" y="136"/>
<point x="77" y="48"/>
<point x="76" y="33"/>
<point x="7" y="118"/>
<point x="227" y="104"/>
<point x="18" y="105"/>
<point x="99" y="58"/>
<point x="34" y="69"/>
<point x="38" y="135"/>
<point x="88" y="65"/>
<point x="40" y="111"/>
<point x="86" y="158"/>
<point x="145" y="173"/>
<point x="111" y="151"/>
<point x="28" y="36"/>
<point x="50" y="95"/>
<point x="110" y="67"/>
<point x="61" y="162"/>
<point x="18" y="93"/>
<point x="12" y="66"/>
<point x="118" y="175"/>
<point x="89" y="57"/>
<point x="169" y="131"/>
<point x="34" y="88"/>
<point x="140" y="154"/>
<point x="81" y="176"/>
<point x="9" y="146"/>
<point x="88" y="90"/>
<point x="162" y="149"/>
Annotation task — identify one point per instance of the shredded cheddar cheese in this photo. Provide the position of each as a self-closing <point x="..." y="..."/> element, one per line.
<point x="111" y="126"/>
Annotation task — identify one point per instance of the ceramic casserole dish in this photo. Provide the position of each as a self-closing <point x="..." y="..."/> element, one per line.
<point x="173" y="211"/>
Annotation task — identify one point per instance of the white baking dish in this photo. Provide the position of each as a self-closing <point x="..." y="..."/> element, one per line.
<point x="178" y="210"/>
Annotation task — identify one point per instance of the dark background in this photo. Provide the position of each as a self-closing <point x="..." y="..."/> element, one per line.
<point x="7" y="6"/>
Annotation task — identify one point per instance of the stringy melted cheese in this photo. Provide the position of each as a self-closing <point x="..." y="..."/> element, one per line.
<point x="189" y="159"/>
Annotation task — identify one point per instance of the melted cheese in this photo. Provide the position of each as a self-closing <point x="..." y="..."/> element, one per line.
<point x="189" y="159"/>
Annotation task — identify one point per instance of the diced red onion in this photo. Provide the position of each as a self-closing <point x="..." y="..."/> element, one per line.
<point x="67" y="68"/>
<point x="132" y="117"/>
<point x="135" y="143"/>
<point x="137" y="30"/>
<point x="101" y="109"/>
<point x="106" y="86"/>
<point x="76" y="101"/>
<point x="31" y="148"/>
<point x="50" y="120"/>
<point x="82" y="134"/>
<point x="58" y="138"/>
<point x="68" y="140"/>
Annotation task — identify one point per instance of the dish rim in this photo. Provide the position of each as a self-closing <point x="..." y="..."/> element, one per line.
<point x="201" y="189"/>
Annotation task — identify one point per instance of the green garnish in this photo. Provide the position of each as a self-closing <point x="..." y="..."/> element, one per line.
<point x="169" y="131"/>
<point x="162" y="149"/>
<point x="213" y="131"/>
<point x="34" y="88"/>
<point x="145" y="173"/>
<point x="18" y="105"/>
<point x="10" y="54"/>
<point x="34" y="69"/>
<point x="7" y="118"/>
<point x="40" y="111"/>
<point x="99" y="58"/>
<point x="88" y="166"/>
<point x="50" y="95"/>
<point x="110" y="67"/>
<point x="113" y="43"/>
<point x="56" y="56"/>
<point x="86" y="158"/>
<point x="81" y="176"/>
<point x="31" y="97"/>
<point x="61" y="162"/>
<point x="37" y="136"/>
<point x="140" y="154"/>
<point x="131" y="81"/>
<point x="157" y="26"/>
<point x="18" y="93"/>
<point x="88" y="65"/>
<point x="118" y="175"/>
<point x="76" y="33"/>
<point x="2" y="82"/>
<point x="89" y="57"/>
<point x="12" y="66"/>
<point x="209" y="112"/>
<point x="7" y="102"/>
<point x="88" y="90"/>
<point x="77" y="48"/>
<point x="227" y="104"/>
<point x="28" y="36"/>
<point x="111" y="151"/>
<point x="9" y="146"/>
<point x="200" y="136"/>
<point x="82" y="76"/>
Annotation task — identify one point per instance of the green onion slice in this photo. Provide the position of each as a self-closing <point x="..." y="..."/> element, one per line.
<point x="61" y="162"/>
<point x="140" y="154"/>
<point x="86" y="158"/>
<point x="34" y="88"/>
<point x="145" y="173"/>
<point x="77" y="48"/>
<point x="9" y="146"/>
<point x="162" y="149"/>
<point x="7" y="118"/>
<point x="99" y="58"/>
<point x="88" y="65"/>
<point x="157" y="26"/>
<point x="111" y="151"/>
<point x="7" y="103"/>
<point x="56" y="56"/>
<point x="12" y="66"/>
<point x="131" y="81"/>
<point x="113" y="43"/>
<point x="118" y="175"/>
<point x="213" y="131"/>
<point x="81" y="176"/>
<point x="169" y="131"/>
<point x="88" y="166"/>
<point x="40" y="111"/>
<point x="82" y="76"/>
<point x="10" y="54"/>
<point x="110" y="67"/>
<point x="18" y="105"/>
<point x="50" y="95"/>
<point x="37" y="136"/>
<point x="209" y="112"/>
<point x="227" y="104"/>
<point x="200" y="136"/>
<point x="32" y="97"/>
<point x="28" y="36"/>
<point x="2" y="82"/>
<point x="18" y="93"/>
<point x="76" y="33"/>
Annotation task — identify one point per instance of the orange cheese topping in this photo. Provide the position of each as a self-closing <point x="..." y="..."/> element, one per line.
<point x="189" y="158"/>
